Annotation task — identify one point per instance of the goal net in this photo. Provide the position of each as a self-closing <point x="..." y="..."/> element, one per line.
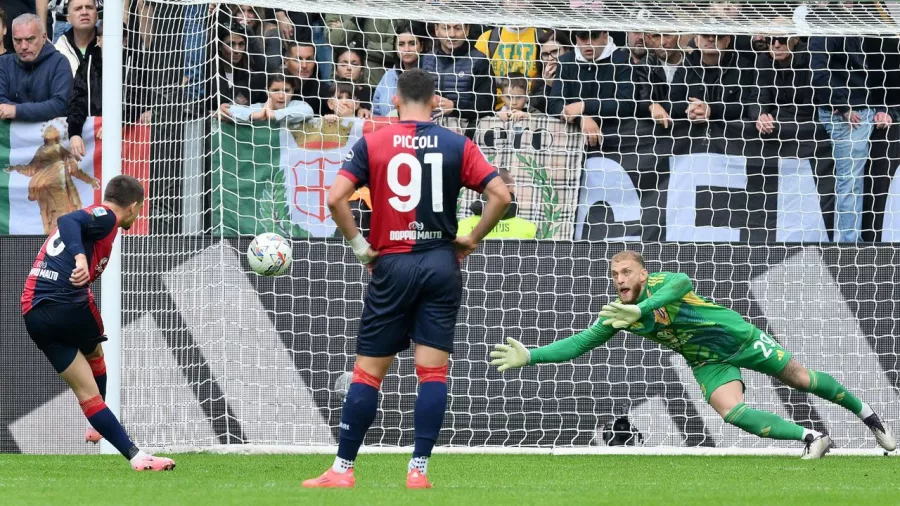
<point x="698" y="133"/>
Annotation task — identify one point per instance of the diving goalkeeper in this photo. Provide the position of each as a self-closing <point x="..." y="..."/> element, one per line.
<point x="716" y="342"/>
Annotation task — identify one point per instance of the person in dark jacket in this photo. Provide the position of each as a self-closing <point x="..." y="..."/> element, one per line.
<point x="462" y="73"/>
<point x="785" y="90"/>
<point x="235" y="83"/>
<point x="350" y="66"/>
<point x="849" y="114"/>
<point x="552" y="45"/>
<point x="715" y="88"/>
<point x="263" y="40"/>
<point x="36" y="82"/>
<point x="664" y="57"/>
<point x="300" y="63"/>
<point x="76" y="41"/>
<point x="15" y="8"/>
<point x="593" y="86"/>
<point x="87" y="97"/>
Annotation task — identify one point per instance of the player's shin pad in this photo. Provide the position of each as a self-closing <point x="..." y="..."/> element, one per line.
<point x="763" y="424"/>
<point x="823" y="385"/>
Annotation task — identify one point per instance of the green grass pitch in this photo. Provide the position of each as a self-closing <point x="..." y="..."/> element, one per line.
<point x="460" y="480"/>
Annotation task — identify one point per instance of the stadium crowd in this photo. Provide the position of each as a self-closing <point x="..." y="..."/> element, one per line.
<point x="242" y="63"/>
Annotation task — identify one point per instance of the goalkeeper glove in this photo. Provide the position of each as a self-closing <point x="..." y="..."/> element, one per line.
<point x="361" y="247"/>
<point x="507" y="357"/>
<point x="620" y="316"/>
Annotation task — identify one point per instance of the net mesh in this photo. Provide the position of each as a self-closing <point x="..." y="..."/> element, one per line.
<point x="213" y="354"/>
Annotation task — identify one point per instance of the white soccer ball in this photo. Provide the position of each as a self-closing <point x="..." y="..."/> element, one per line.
<point x="269" y="254"/>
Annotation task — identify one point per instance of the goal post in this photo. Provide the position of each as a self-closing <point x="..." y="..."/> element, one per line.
<point x="206" y="355"/>
<point x="111" y="284"/>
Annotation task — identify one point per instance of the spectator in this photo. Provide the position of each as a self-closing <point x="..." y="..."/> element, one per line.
<point x="593" y="86"/>
<point x="36" y="82"/>
<point x="409" y="47"/>
<point x="87" y="97"/>
<point x="343" y="102"/>
<point x="637" y="48"/>
<point x="350" y="67"/>
<point x="138" y="61"/>
<point x="375" y="36"/>
<point x="263" y="43"/>
<point x="510" y="227"/>
<point x="195" y="42"/>
<point x="664" y="58"/>
<point x="638" y="56"/>
<point x="236" y="83"/>
<point x="785" y="89"/>
<point x="300" y="64"/>
<point x="15" y="8"/>
<point x="462" y="73"/>
<point x="58" y="21"/>
<point x="2" y="32"/>
<point x="846" y="111"/>
<point x="716" y="87"/>
<point x="514" y="90"/>
<point x="510" y="49"/>
<point x="77" y="40"/>
<point x="296" y="25"/>
<point x="280" y="105"/>
<point x="232" y="18"/>
<point x="307" y="26"/>
<point x="553" y="44"/>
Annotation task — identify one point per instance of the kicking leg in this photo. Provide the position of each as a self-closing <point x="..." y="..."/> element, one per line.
<point x="80" y="378"/>
<point x="360" y="407"/>
<point x="823" y="385"/>
<point x="98" y="367"/>
<point x="431" y="404"/>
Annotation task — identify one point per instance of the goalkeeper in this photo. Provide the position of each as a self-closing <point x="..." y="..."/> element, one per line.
<point x="716" y="342"/>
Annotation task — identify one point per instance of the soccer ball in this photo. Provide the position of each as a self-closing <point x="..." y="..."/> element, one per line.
<point x="269" y="255"/>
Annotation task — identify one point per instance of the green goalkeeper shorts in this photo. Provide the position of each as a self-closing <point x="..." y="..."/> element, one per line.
<point x="763" y="354"/>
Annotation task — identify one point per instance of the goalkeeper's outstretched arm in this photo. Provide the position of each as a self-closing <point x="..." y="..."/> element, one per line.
<point x="517" y="355"/>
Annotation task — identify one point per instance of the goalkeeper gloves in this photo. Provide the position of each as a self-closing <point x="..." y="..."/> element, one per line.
<point x="620" y="316"/>
<point x="361" y="247"/>
<point x="507" y="357"/>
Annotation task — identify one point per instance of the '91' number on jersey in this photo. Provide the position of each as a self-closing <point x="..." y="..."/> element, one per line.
<point x="407" y="196"/>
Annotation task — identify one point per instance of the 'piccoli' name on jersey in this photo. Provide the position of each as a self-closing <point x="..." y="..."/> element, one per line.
<point x="414" y="142"/>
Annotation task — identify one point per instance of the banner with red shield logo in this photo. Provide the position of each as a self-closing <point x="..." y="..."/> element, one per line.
<point x="311" y="158"/>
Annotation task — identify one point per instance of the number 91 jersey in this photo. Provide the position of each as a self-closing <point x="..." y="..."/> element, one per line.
<point x="415" y="171"/>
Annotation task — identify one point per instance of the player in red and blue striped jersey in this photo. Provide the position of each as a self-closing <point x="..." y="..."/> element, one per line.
<point x="62" y="318"/>
<point x="414" y="170"/>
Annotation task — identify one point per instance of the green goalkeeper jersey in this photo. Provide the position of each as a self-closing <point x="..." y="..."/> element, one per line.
<point x="672" y="315"/>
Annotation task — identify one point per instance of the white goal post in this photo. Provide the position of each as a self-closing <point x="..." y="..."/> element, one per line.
<point x="204" y="355"/>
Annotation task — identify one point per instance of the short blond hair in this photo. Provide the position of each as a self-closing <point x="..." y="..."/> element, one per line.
<point x="628" y="255"/>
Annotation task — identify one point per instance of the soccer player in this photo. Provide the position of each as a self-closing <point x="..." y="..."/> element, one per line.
<point x="716" y="342"/>
<point x="415" y="170"/>
<point x="62" y="318"/>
